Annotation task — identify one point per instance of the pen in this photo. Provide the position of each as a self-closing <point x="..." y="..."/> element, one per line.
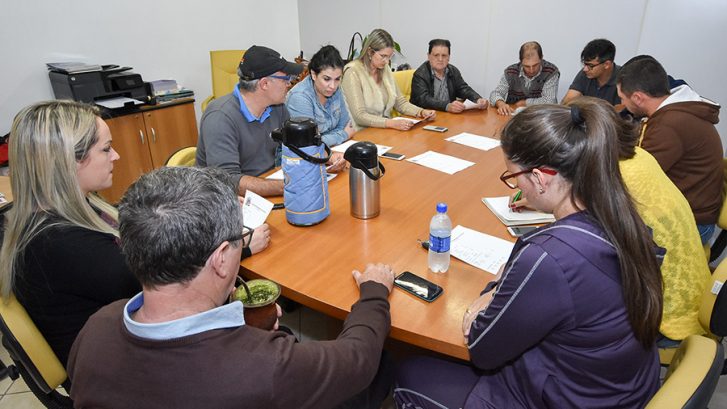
<point x="515" y="199"/>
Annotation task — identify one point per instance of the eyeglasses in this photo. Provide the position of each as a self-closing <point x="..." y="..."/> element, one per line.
<point x="386" y="57"/>
<point x="591" y="66"/>
<point x="286" y="78"/>
<point x="506" y="175"/>
<point x="245" y="237"/>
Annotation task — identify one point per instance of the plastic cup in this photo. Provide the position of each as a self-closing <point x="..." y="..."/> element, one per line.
<point x="260" y="311"/>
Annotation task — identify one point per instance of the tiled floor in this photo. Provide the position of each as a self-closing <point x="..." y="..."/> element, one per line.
<point x="305" y="323"/>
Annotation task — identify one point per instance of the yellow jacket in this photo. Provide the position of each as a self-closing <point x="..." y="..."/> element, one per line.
<point x="685" y="272"/>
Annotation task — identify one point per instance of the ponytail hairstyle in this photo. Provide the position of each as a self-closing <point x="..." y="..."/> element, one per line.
<point x="47" y="141"/>
<point x="580" y="142"/>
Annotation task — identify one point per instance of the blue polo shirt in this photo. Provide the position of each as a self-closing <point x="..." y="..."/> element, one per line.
<point x="225" y="316"/>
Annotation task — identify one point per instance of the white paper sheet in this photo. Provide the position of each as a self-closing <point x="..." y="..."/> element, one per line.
<point x="479" y="249"/>
<point x="255" y="209"/>
<point x="278" y="175"/>
<point x="441" y="162"/>
<point x="113" y="103"/>
<point x="380" y="149"/>
<point x="406" y="118"/>
<point x="475" y="141"/>
<point x="470" y="105"/>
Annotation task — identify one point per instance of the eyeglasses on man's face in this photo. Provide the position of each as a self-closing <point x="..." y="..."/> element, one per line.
<point x="287" y="78"/>
<point x="245" y="237"/>
<point x="512" y="184"/>
<point x="589" y="66"/>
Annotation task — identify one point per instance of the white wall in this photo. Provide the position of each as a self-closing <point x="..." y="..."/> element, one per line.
<point x="687" y="37"/>
<point x="160" y="39"/>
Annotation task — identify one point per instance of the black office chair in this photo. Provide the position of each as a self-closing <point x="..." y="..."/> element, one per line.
<point x="33" y="358"/>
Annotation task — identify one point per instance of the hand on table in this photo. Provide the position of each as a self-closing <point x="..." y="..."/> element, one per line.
<point x="427" y="114"/>
<point x="336" y="163"/>
<point x="260" y="239"/>
<point x="400" y="124"/>
<point x="455" y="107"/>
<point x="379" y="272"/>
<point x="483" y="103"/>
<point x="503" y="108"/>
<point x="479" y="304"/>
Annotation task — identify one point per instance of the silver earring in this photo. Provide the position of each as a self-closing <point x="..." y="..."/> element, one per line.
<point x="541" y="191"/>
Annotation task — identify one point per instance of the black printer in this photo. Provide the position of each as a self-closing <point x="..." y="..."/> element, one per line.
<point x="94" y="85"/>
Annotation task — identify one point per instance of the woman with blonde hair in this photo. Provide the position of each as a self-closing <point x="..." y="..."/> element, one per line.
<point x="370" y="89"/>
<point x="60" y="255"/>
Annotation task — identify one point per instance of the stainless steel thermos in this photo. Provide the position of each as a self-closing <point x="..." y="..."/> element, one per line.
<point x="363" y="181"/>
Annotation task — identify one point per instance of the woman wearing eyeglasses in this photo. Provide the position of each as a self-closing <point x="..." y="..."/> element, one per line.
<point x="572" y="319"/>
<point x="370" y="89"/>
<point x="60" y="256"/>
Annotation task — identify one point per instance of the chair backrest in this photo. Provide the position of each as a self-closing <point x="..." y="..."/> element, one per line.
<point x="183" y="157"/>
<point x="713" y="310"/>
<point x="224" y="65"/>
<point x="27" y="346"/>
<point x="403" y="81"/>
<point x="692" y="376"/>
<point x="722" y="220"/>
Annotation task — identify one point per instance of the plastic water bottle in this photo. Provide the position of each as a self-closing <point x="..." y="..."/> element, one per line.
<point x="440" y="231"/>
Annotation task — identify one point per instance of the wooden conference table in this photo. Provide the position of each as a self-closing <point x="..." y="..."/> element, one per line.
<point x="313" y="264"/>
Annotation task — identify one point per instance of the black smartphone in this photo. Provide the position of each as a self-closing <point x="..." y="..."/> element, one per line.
<point x="417" y="286"/>
<point x="392" y="155"/>
<point x="517" y="231"/>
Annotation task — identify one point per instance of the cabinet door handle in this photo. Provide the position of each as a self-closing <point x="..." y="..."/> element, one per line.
<point x="153" y="135"/>
<point x="141" y="135"/>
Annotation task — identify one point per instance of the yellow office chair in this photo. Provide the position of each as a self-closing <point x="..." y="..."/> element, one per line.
<point x="692" y="375"/>
<point x="224" y="65"/>
<point x="712" y="311"/>
<point x="403" y="81"/>
<point x="183" y="157"/>
<point x="33" y="358"/>
<point x="721" y="242"/>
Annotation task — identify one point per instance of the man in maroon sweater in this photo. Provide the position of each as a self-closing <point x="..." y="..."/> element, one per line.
<point x="179" y="345"/>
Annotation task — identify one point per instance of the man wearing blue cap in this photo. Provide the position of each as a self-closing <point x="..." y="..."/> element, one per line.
<point x="235" y="129"/>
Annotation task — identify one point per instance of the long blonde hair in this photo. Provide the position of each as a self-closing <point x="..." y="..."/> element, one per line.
<point x="377" y="40"/>
<point x="47" y="140"/>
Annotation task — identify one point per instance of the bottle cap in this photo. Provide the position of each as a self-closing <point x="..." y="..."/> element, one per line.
<point x="441" y="208"/>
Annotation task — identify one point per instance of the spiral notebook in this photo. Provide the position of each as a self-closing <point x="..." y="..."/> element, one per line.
<point x="500" y="206"/>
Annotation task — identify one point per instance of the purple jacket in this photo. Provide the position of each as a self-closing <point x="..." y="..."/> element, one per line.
<point x="556" y="334"/>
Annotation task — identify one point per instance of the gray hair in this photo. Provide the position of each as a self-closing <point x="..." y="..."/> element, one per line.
<point x="245" y="85"/>
<point x="173" y="218"/>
